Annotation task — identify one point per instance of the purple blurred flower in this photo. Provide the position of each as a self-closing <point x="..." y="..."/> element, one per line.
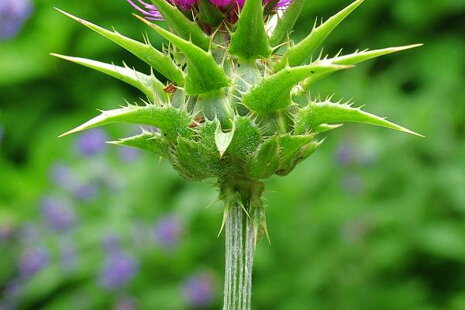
<point x="13" y="14"/>
<point x="118" y="270"/>
<point x="33" y="260"/>
<point x="10" y="295"/>
<point x="92" y="142"/>
<point x="57" y="213"/>
<point x="345" y="154"/>
<point x="61" y="175"/>
<point x="199" y="290"/>
<point x="86" y="192"/>
<point x="128" y="154"/>
<point x="167" y="231"/>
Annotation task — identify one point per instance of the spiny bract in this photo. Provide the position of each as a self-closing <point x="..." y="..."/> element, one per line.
<point x="236" y="105"/>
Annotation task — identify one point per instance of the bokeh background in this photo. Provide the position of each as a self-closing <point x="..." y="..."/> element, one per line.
<point x="374" y="220"/>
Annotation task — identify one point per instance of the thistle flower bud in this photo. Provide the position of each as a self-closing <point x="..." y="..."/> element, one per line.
<point x="232" y="109"/>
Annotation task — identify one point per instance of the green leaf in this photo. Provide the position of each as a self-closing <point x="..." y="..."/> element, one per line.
<point x="265" y="161"/>
<point x="147" y="53"/>
<point x="194" y="161"/>
<point x="293" y="149"/>
<point x="317" y="113"/>
<point x="246" y="138"/>
<point x="250" y="41"/>
<point x="286" y="23"/>
<point x="274" y="92"/>
<point x="198" y="159"/>
<point x="209" y="13"/>
<point x="147" y="141"/>
<point x="148" y="84"/>
<point x="184" y="27"/>
<point x="353" y="59"/>
<point x="223" y="139"/>
<point x="301" y="52"/>
<point x="204" y="75"/>
<point x="170" y="121"/>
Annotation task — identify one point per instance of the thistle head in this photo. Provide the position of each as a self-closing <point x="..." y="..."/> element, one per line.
<point x="232" y="107"/>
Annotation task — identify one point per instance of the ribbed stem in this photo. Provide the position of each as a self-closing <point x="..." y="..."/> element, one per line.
<point x="240" y="250"/>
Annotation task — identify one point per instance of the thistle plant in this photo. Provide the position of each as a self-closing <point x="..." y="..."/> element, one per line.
<point x="235" y="106"/>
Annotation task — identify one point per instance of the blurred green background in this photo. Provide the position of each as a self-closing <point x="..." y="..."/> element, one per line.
<point x="374" y="220"/>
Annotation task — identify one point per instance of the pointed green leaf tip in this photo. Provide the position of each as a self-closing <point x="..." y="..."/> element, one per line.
<point x="149" y="85"/>
<point x="286" y="23"/>
<point x="327" y="112"/>
<point x="147" y="53"/>
<point x="147" y="141"/>
<point x="353" y="59"/>
<point x="299" y="53"/>
<point x="274" y="92"/>
<point x="250" y="41"/>
<point x="172" y="122"/>
<point x="185" y="28"/>
<point x="204" y="75"/>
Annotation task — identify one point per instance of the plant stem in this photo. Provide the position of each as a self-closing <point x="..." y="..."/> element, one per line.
<point x="240" y="250"/>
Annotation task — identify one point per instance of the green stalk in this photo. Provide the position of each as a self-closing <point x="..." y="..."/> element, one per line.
<point x="240" y="250"/>
<point x="243" y="219"/>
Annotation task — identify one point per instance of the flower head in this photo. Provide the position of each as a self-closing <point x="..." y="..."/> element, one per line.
<point x="151" y="12"/>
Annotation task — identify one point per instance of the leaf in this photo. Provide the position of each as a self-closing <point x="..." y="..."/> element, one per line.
<point x="147" y="84"/>
<point x="299" y="53"/>
<point x="265" y="161"/>
<point x="293" y="149"/>
<point x="353" y="59"/>
<point x="317" y="113"/>
<point x="223" y="139"/>
<point x="147" y="53"/>
<point x="286" y="23"/>
<point x="246" y="138"/>
<point x="170" y="121"/>
<point x="198" y="157"/>
<point x="250" y="41"/>
<point x="203" y="73"/>
<point x="274" y="92"/>
<point x="147" y="141"/>
<point x="184" y="27"/>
